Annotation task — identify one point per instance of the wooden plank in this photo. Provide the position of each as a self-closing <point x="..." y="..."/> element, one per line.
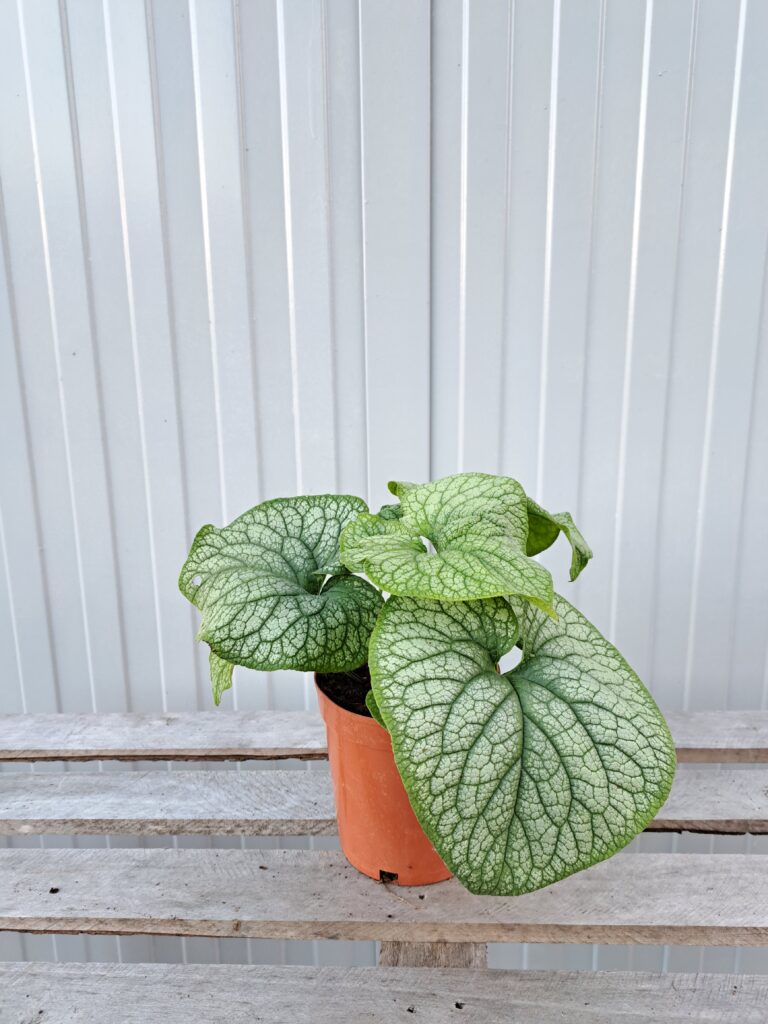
<point x="721" y="737"/>
<point x="433" y="954"/>
<point x="707" y="736"/>
<point x="235" y="994"/>
<point x="278" y="803"/>
<point x="185" y="736"/>
<point x="256" y="803"/>
<point x="719" y="802"/>
<point x="701" y="899"/>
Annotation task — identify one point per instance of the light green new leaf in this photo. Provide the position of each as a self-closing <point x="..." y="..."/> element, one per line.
<point x="264" y="604"/>
<point x="221" y="676"/>
<point x="371" y="535"/>
<point x="523" y="778"/>
<point x="543" y="528"/>
<point x="478" y="525"/>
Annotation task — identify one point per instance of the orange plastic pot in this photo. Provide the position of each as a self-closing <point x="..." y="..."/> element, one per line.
<point x="378" y="831"/>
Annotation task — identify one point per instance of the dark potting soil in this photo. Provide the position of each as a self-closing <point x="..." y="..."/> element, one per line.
<point x="347" y="689"/>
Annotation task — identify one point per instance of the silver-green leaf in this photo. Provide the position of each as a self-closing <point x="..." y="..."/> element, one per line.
<point x="519" y="779"/>
<point x="543" y="528"/>
<point x="260" y="585"/>
<point x="374" y="534"/>
<point x="478" y="526"/>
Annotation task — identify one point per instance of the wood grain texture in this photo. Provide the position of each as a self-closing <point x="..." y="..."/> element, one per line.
<point x="707" y="736"/>
<point x="433" y="954"/>
<point x="266" y="803"/>
<point x="646" y="898"/>
<point x="721" y="737"/>
<point x="228" y="994"/>
<point x="184" y="736"/>
<point x="279" y="803"/>
<point x="721" y="802"/>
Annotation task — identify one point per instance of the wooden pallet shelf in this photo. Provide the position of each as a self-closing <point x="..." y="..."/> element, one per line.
<point x="432" y="938"/>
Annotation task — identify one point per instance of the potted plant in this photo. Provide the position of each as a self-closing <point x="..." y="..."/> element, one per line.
<point x="441" y="763"/>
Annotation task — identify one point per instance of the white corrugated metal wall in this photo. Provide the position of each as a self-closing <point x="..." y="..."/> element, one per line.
<point x="257" y="247"/>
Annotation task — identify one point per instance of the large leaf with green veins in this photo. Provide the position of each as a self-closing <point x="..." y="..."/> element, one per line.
<point x="522" y="778"/>
<point x="261" y="586"/>
<point x="478" y="525"/>
<point x="543" y="529"/>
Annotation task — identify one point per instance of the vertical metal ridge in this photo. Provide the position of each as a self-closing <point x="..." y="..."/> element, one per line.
<point x="548" y="236"/>
<point x="500" y="464"/>
<point x="53" y="318"/>
<point x="366" y="353"/>
<point x="130" y="295"/>
<point x="85" y="240"/>
<point x="27" y="443"/>
<point x="674" y="318"/>
<point x="328" y="184"/>
<point x="590" y="296"/>
<point x="748" y="443"/>
<point x="290" y="268"/>
<point x="431" y="244"/>
<point x="631" y="311"/>
<point x="12" y="613"/>
<point x="205" y="216"/>
<point x="714" y="357"/>
<point x="162" y="189"/>
<point x="463" y="201"/>
<point x="245" y="208"/>
<point x="763" y="329"/>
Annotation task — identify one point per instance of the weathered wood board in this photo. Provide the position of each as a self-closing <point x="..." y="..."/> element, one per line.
<point x="277" y="803"/>
<point x="183" y="736"/>
<point x="227" y="994"/>
<point x="705" y="736"/>
<point x="696" y="899"/>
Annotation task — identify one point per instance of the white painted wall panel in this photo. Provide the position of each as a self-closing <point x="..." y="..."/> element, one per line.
<point x="254" y="247"/>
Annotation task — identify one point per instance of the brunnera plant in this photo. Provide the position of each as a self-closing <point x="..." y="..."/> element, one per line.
<point x="518" y="778"/>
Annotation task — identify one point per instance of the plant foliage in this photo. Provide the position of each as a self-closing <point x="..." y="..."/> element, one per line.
<point x="518" y="778"/>
<point x="522" y="778"/>
<point x="267" y="599"/>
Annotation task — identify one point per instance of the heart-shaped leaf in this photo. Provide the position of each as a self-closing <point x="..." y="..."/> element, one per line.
<point x="543" y="528"/>
<point x="523" y="778"/>
<point x="478" y="525"/>
<point x="261" y="586"/>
